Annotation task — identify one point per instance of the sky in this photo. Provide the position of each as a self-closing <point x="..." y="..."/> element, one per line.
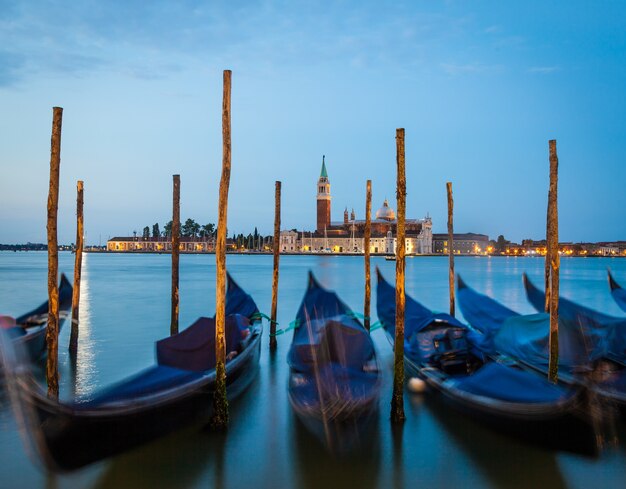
<point x="479" y="86"/>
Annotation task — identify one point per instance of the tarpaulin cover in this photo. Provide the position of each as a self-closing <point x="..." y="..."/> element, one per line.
<point x="150" y="381"/>
<point x="482" y="312"/>
<point x="340" y="340"/>
<point x="194" y="348"/>
<point x="416" y="318"/>
<point x="335" y="381"/>
<point x="527" y="338"/>
<point x="509" y="384"/>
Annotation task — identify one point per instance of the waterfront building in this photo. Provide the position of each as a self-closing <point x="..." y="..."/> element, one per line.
<point x="163" y="244"/>
<point x="346" y="236"/>
<point x="464" y="243"/>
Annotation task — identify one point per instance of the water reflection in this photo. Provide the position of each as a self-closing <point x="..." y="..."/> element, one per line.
<point x="397" y="435"/>
<point x="85" y="368"/>
<point x="318" y="467"/>
<point x="504" y="461"/>
<point x="175" y="461"/>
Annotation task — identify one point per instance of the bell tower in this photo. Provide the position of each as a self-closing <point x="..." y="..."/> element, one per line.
<point x="323" y="199"/>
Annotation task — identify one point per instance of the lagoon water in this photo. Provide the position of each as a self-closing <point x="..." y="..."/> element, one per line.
<point x="125" y="307"/>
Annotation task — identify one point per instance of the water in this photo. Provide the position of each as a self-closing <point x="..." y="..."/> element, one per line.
<point x="125" y="307"/>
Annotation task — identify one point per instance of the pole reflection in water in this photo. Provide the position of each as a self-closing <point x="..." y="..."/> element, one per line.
<point x="397" y="433"/>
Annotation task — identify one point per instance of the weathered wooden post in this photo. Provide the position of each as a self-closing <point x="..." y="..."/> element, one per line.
<point x="547" y="263"/>
<point x="397" y="398"/>
<point x="366" y="246"/>
<point x="273" y="342"/>
<point x="52" y="330"/>
<point x="78" y="264"/>
<point x="175" y="254"/>
<point x="451" y="246"/>
<point x="220" y="402"/>
<point x="553" y="239"/>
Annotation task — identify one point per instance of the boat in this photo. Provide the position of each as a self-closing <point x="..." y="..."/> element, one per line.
<point x="583" y="357"/>
<point x="448" y="356"/>
<point x="29" y="330"/>
<point x="334" y="379"/>
<point x="175" y="393"/>
<point x="600" y="326"/>
<point x="619" y="294"/>
<point x="390" y="257"/>
<point x="601" y="333"/>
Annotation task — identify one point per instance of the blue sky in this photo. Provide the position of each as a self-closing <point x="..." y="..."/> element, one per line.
<point x="480" y="88"/>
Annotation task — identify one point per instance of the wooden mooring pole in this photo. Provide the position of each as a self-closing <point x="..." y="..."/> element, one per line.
<point x="273" y="342"/>
<point x="547" y="264"/>
<point x="52" y="330"/>
<point x="78" y="265"/>
<point x="366" y="246"/>
<point x="175" y="254"/>
<point x="553" y="239"/>
<point x="220" y="402"/>
<point x="397" y="398"/>
<point x="451" y="246"/>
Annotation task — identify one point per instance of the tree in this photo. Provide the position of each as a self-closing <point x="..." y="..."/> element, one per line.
<point x="501" y="244"/>
<point x="167" y="229"/>
<point x="155" y="230"/>
<point x="188" y="228"/>
<point x="207" y="230"/>
<point x="146" y="232"/>
<point x="195" y="229"/>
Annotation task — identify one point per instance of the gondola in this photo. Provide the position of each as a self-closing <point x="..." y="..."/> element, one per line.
<point x="29" y="332"/>
<point x="619" y="294"/>
<point x="602" y="333"/>
<point x="610" y="328"/>
<point x="174" y="393"/>
<point x="334" y="379"/>
<point x="448" y="356"/>
<point x="525" y="337"/>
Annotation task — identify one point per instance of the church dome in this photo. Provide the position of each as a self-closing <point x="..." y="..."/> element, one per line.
<point x="385" y="212"/>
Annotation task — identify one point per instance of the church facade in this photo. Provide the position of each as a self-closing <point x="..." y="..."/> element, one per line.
<point x="346" y="236"/>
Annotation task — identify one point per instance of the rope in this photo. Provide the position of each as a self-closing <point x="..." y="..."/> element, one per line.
<point x="357" y="315"/>
<point x="375" y="326"/>
<point x="260" y="315"/>
<point x="292" y="325"/>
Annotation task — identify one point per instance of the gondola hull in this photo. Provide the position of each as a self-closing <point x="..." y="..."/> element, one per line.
<point x="71" y="437"/>
<point x="35" y="322"/>
<point x="563" y="426"/>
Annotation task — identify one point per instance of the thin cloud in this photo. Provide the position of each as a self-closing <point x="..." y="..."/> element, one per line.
<point x="492" y="29"/>
<point x="455" y="69"/>
<point x="544" y="70"/>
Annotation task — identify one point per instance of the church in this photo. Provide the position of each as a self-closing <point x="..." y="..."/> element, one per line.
<point x="346" y="236"/>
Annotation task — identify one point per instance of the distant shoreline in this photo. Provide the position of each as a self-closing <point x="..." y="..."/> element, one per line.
<point x="292" y="253"/>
